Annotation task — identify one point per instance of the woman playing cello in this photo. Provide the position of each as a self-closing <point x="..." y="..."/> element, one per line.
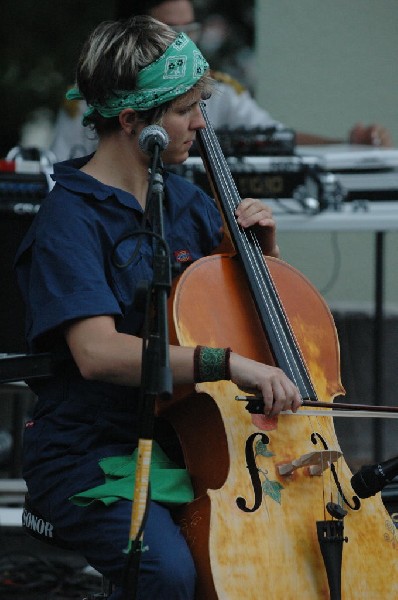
<point x="77" y="297"/>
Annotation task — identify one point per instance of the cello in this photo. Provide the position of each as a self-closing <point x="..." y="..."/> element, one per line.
<point x="274" y="513"/>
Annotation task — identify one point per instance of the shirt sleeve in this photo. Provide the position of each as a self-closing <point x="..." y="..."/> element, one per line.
<point x="62" y="273"/>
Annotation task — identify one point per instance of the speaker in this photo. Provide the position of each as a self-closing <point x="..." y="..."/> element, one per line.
<point x="12" y="230"/>
<point x="20" y="199"/>
<point x="367" y="441"/>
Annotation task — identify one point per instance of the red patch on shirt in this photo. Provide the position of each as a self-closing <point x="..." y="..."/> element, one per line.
<point x="182" y="256"/>
<point x="29" y="424"/>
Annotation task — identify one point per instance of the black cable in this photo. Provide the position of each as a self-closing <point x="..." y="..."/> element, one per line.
<point x="336" y="264"/>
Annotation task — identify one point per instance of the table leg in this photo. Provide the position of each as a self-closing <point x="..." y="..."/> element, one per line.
<point x="378" y="345"/>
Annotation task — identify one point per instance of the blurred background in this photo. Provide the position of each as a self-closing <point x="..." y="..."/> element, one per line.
<point x="316" y="66"/>
<point x="326" y="64"/>
<point x="40" y="43"/>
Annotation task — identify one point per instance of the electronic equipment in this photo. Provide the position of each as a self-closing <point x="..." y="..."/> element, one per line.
<point x="268" y="141"/>
<point x="24" y="180"/>
<point x="254" y="176"/>
<point x="24" y="183"/>
<point x="318" y="177"/>
<point x="274" y="177"/>
<point x="351" y="157"/>
<point x="363" y="172"/>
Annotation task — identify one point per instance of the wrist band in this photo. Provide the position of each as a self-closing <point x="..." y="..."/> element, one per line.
<point x="211" y="364"/>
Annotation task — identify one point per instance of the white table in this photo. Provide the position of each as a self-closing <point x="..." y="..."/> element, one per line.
<point x="376" y="217"/>
<point x="368" y="216"/>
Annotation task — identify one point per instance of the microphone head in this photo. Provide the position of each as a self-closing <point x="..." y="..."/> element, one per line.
<point x="152" y="136"/>
<point x="368" y="481"/>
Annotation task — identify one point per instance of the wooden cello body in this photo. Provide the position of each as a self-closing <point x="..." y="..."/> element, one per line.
<point x="272" y="551"/>
<point x="256" y="526"/>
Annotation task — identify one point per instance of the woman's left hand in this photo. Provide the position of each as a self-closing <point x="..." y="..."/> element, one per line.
<point x="255" y="213"/>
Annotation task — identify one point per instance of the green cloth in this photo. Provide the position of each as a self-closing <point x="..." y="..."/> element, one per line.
<point x="169" y="484"/>
<point x="174" y="73"/>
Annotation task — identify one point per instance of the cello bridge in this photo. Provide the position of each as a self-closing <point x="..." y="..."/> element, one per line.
<point x="317" y="462"/>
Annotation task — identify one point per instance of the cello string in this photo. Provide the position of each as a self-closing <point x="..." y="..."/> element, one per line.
<point x="230" y="203"/>
<point x="259" y="268"/>
<point x="323" y="488"/>
<point x="263" y="279"/>
<point x="258" y="265"/>
<point x="256" y="258"/>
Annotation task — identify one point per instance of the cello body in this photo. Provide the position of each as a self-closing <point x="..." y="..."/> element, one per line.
<point x="252" y="531"/>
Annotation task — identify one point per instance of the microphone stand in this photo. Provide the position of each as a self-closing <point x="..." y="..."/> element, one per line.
<point x="156" y="376"/>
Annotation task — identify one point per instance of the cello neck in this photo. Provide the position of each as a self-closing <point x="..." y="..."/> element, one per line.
<point x="274" y="322"/>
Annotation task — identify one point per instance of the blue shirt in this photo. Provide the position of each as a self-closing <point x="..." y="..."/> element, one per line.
<point x="69" y="267"/>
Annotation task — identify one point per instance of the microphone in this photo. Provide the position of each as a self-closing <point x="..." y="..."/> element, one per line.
<point x="153" y="137"/>
<point x="371" y="479"/>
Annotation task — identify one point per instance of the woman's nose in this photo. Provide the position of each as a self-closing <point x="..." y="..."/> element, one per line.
<point x="198" y="121"/>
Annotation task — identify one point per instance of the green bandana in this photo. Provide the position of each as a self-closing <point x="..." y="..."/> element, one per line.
<point x="171" y="75"/>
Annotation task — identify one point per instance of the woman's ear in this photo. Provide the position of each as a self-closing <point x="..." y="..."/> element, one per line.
<point x="128" y="120"/>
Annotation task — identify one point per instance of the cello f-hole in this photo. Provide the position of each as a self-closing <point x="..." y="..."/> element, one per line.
<point x="254" y="474"/>
<point x="356" y="503"/>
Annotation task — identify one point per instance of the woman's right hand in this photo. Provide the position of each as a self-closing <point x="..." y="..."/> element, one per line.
<point x="278" y="391"/>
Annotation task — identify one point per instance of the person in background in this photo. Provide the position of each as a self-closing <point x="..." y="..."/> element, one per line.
<point x="230" y="106"/>
<point x="79" y="268"/>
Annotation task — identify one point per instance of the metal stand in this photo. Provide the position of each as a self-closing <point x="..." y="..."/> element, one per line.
<point x="156" y="379"/>
<point x="378" y="343"/>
